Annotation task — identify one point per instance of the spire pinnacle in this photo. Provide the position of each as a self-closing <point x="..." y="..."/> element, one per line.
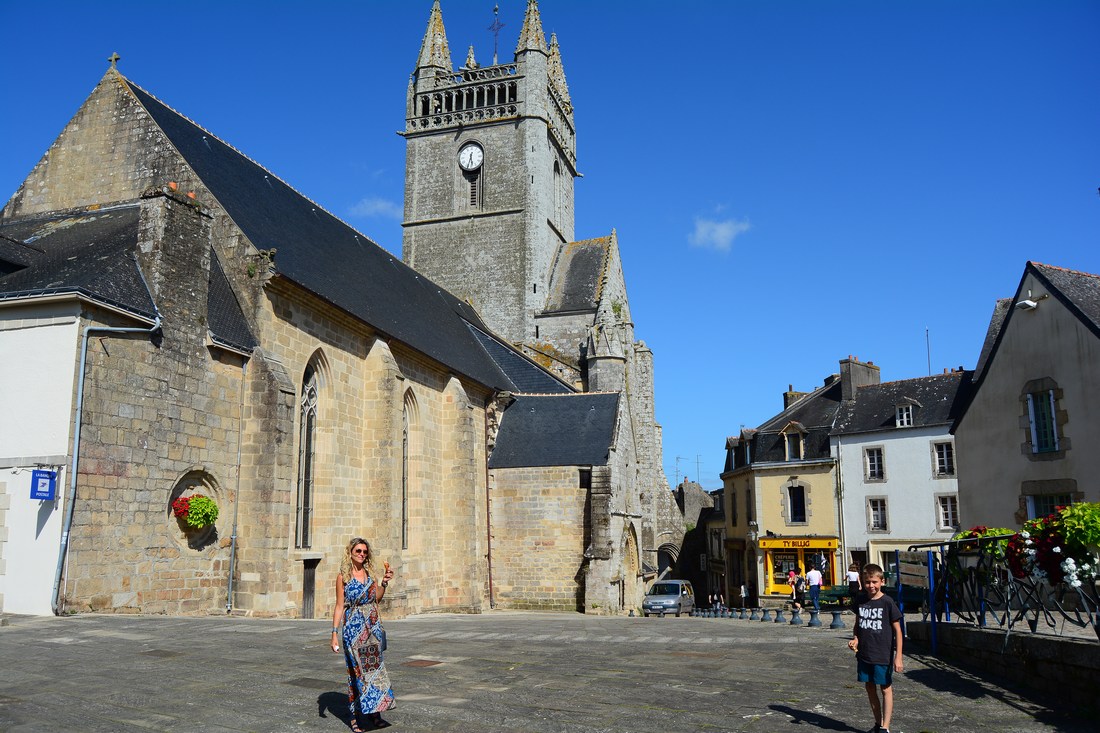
<point x="471" y="62"/>
<point x="530" y="36"/>
<point x="557" y="72"/>
<point x="434" y="50"/>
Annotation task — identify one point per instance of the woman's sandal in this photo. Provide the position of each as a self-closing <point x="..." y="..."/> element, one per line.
<point x="355" y="726"/>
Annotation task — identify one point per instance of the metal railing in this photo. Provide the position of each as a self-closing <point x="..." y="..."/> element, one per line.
<point x="969" y="582"/>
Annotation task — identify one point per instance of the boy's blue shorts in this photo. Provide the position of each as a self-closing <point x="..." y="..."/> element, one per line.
<point x="880" y="674"/>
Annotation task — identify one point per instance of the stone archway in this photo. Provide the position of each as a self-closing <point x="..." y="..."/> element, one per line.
<point x="667" y="554"/>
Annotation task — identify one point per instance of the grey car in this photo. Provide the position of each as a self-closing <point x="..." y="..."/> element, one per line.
<point x="669" y="596"/>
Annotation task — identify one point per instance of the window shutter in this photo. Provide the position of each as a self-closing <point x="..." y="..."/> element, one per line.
<point x="1053" y="419"/>
<point x="1031" y="420"/>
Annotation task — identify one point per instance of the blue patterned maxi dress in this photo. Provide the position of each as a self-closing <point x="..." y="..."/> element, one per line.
<point x="369" y="688"/>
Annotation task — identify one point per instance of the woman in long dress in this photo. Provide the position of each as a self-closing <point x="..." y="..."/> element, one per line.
<point x="356" y="613"/>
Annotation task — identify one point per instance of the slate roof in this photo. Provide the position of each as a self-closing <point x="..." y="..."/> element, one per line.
<point x="556" y="430"/>
<point x="936" y="400"/>
<point x="523" y="374"/>
<point x="224" y="316"/>
<point x="576" y="282"/>
<point x="89" y="253"/>
<point x="813" y="415"/>
<point x="326" y="256"/>
<point x="1079" y="291"/>
<point x="1000" y="312"/>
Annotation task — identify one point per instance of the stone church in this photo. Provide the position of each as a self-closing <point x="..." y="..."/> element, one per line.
<point x="180" y="321"/>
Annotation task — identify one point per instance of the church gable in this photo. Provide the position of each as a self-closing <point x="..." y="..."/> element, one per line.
<point x="578" y="276"/>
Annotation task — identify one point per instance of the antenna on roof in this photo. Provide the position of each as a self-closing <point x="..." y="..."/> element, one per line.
<point x="114" y="59"/>
<point x="495" y="28"/>
<point x="928" y="350"/>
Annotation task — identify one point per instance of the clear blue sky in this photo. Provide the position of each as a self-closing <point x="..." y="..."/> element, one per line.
<point x="791" y="182"/>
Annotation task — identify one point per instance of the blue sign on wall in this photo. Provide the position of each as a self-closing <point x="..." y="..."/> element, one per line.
<point x="44" y="485"/>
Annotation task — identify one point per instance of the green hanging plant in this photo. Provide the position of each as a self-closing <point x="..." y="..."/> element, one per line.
<point x="196" y="510"/>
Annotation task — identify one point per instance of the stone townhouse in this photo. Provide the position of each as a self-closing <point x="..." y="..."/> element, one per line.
<point x="897" y="465"/>
<point x="175" y="319"/>
<point x="1029" y="430"/>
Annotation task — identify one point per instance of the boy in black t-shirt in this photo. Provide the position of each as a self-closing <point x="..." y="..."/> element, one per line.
<point x="877" y="638"/>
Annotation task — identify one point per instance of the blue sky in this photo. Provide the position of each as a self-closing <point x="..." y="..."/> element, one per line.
<point x="791" y="182"/>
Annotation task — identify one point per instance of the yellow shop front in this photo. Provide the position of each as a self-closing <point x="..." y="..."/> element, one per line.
<point x="783" y="554"/>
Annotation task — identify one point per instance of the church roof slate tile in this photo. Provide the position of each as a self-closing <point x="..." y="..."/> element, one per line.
<point x="326" y="256"/>
<point x="557" y="430"/>
<point x="578" y="276"/>
<point x="224" y="316"/>
<point x="523" y="374"/>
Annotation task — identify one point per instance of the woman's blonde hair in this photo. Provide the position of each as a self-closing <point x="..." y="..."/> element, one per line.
<point x="345" y="564"/>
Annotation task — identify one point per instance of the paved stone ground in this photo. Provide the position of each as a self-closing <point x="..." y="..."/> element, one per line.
<point x="545" y="673"/>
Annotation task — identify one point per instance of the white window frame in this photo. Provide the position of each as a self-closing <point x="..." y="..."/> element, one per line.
<point x="881" y="463"/>
<point x="947" y="509"/>
<point x="872" y="511"/>
<point x="903" y="416"/>
<point x="788" y="437"/>
<point x="937" y="463"/>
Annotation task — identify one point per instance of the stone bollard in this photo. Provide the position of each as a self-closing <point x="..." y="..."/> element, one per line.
<point x="814" y="620"/>
<point x="744" y="614"/>
<point x="755" y="615"/>
<point x="837" y="623"/>
<point x="631" y="614"/>
<point x="767" y="615"/>
<point x="779" y="616"/>
<point x="796" y="617"/>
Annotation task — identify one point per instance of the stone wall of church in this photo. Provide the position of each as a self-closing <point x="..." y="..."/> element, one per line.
<point x="160" y="418"/>
<point x="539" y="534"/>
<point x="367" y="384"/>
<point x="110" y="151"/>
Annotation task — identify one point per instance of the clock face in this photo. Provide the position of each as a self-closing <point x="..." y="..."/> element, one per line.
<point x="470" y="157"/>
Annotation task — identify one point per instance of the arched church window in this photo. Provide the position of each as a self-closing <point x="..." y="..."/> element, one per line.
<point x="409" y="420"/>
<point x="307" y="413"/>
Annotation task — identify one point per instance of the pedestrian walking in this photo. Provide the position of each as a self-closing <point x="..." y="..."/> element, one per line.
<point x="854" y="586"/>
<point x="798" y="587"/>
<point x="356" y="623"/>
<point x="877" y="643"/>
<point x="813" y="579"/>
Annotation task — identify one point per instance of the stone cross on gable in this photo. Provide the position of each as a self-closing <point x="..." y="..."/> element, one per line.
<point x="114" y="59"/>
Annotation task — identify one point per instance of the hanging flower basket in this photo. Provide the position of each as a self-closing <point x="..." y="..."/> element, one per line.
<point x="195" y="511"/>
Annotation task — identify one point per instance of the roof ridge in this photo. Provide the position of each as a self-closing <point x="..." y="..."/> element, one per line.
<point x="247" y="157"/>
<point x="953" y="373"/>
<point x="1066" y="269"/>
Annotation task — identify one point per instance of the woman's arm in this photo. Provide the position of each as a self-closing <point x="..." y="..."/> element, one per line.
<point x="337" y="613"/>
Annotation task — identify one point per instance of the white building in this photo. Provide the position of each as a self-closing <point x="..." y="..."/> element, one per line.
<point x="897" y="465"/>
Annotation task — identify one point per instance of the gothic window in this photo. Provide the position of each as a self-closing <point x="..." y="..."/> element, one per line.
<point x="307" y="440"/>
<point x="559" y="196"/>
<point x="409" y="420"/>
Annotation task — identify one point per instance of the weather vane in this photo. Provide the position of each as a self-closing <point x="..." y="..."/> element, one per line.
<point x="495" y="28"/>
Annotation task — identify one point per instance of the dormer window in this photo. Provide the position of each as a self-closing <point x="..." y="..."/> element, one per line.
<point x="792" y="441"/>
<point x="903" y="417"/>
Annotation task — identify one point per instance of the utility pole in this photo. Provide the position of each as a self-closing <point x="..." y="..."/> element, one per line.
<point x="678" y="459"/>
<point x="697" y="457"/>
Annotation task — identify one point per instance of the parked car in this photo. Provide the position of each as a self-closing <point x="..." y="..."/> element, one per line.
<point x="669" y="596"/>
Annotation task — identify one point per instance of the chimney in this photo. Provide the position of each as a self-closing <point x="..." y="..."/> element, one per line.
<point x="790" y="396"/>
<point x="855" y="374"/>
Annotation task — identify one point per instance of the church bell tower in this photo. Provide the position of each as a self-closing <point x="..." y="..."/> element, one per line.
<point x="489" y="168"/>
